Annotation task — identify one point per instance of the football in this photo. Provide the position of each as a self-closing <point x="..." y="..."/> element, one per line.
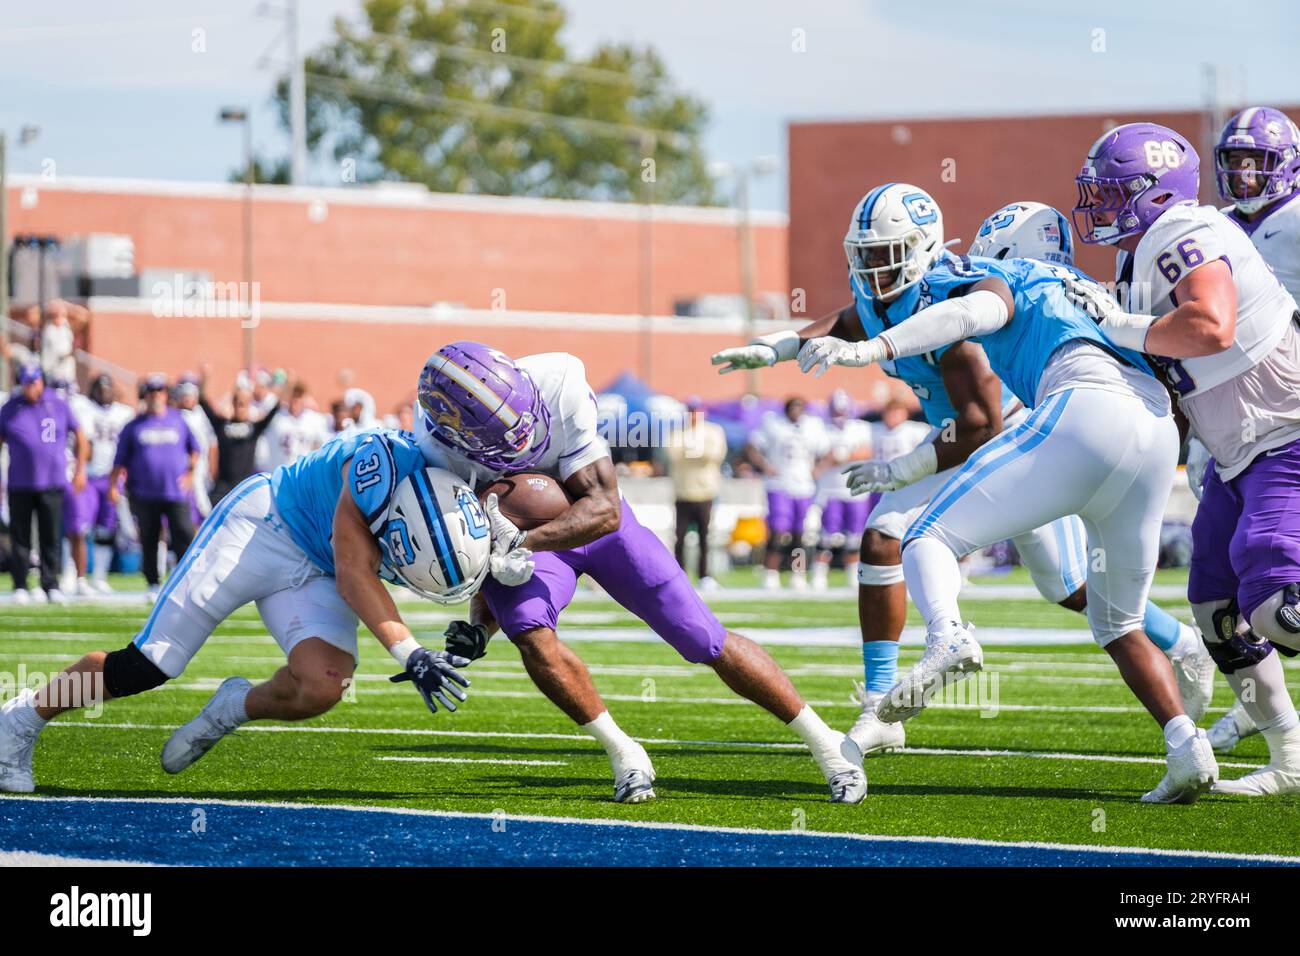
<point x="528" y="499"/>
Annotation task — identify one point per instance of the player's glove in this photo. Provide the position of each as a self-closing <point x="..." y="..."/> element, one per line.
<point x="435" y="677"/>
<point x="1126" y="329"/>
<point x="466" y="640"/>
<point x="744" y="357"/>
<point x="818" y="355"/>
<point x="864" y="477"/>
<point x="1198" y="463"/>
<point x="510" y="563"/>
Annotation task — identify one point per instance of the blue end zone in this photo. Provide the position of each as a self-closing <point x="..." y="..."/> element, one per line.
<point x="244" y="835"/>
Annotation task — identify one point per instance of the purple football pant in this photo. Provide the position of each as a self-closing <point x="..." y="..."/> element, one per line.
<point x="636" y="570"/>
<point x="785" y="513"/>
<point x="1246" y="535"/>
<point x="88" y="509"/>
<point x="846" y="516"/>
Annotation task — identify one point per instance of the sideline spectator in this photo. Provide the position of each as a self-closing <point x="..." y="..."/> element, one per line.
<point x="36" y="424"/>
<point x="695" y="455"/>
<point x="157" y="453"/>
<point x="186" y="397"/>
<point x="58" y="344"/>
<point x="236" y="437"/>
<point x="294" y="430"/>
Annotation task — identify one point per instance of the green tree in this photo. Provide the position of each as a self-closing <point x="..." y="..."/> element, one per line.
<point x="483" y="97"/>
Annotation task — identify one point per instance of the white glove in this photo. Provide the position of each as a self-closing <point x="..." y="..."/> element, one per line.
<point x="511" y="563"/>
<point x="818" y="355"/>
<point x="1198" y="463"/>
<point x="866" y="477"/>
<point x="1126" y="329"/>
<point x="745" y="357"/>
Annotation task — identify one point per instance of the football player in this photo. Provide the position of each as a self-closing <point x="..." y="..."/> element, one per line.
<point x="784" y="449"/>
<point x="896" y="234"/>
<point x="1203" y="302"/>
<point x="843" y="516"/>
<point x="483" y="415"/>
<point x="309" y="544"/>
<point x="1101" y="443"/>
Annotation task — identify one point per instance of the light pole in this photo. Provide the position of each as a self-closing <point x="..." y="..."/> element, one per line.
<point x="27" y="134"/>
<point x="236" y="115"/>
<point x="742" y="174"/>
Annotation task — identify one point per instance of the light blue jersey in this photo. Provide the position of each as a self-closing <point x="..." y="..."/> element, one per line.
<point x="921" y="373"/>
<point x="307" y="491"/>
<point x="1044" y="318"/>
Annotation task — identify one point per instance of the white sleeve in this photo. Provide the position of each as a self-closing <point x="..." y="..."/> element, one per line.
<point x="943" y="323"/>
<point x="575" y="422"/>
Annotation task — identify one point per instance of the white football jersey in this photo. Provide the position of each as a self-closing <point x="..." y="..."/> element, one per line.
<point x="101" y="424"/>
<point x="847" y="440"/>
<point x="1276" y="235"/>
<point x="1246" y="399"/>
<point x="201" y="428"/>
<point x="575" y="438"/>
<point x="289" y="437"/>
<point x="792" y="448"/>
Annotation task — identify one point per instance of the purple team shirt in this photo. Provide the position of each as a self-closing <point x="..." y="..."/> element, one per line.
<point x="37" y="436"/>
<point x="155" y="451"/>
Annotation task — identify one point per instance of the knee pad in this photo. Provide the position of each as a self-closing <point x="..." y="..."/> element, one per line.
<point x="1230" y="640"/>
<point x="1278" y="620"/>
<point x="877" y="575"/>
<point x="832" y="542"/>
<point x="784" y="539"/>
<point x="1218" y="620"/>
<point x="128" y="672"/>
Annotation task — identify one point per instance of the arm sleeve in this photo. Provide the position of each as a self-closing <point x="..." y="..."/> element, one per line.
<point x="216" y="420"/>
<point x="943" y="323"/>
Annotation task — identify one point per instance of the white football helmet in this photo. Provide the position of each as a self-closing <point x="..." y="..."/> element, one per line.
<point x="436" y="538"/>
<point x="1026" y="230"/>
<point x="895" y="235"/>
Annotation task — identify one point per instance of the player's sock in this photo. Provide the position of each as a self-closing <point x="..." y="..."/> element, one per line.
<point x="103" y="558"/>
<point x="851" y="572"/>
<point x="1178" y="731"/>
<point x="879" y="665"/>
<point x="623" y="751"/>
<point x="933" y="582"/>
<point x="1166" y="632"/>
<point x="824" y="743"/>
<point x="821" y="571"/>
<point x="233" y="711"/>
<point x="772" y="579"/>
<point x="1261" y="688"/>
<point x="22" y="711"/>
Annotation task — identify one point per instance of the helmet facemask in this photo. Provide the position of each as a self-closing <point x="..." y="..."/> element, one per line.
<point x="885" y="267"/>
<point x="1253" y="177"/>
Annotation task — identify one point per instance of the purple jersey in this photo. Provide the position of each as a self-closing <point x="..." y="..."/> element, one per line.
<point x="155" y="451"/>
<point x="37" y="436"/>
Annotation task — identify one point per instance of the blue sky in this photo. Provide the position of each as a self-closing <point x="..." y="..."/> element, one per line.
<point x="118" y="90"/>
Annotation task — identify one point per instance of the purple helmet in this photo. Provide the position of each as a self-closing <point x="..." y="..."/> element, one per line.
<point x="1275" y="142"/>
<point x="1132" y="175"/>
<point x="476" y="401"/>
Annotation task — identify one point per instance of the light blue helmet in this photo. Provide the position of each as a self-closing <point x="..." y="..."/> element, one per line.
<point x="1026" y="230"/>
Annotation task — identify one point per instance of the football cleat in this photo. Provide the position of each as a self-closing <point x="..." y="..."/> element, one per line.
<point x="871" y="734"/>
<point x="22" y="596"/>
<point x="849" y="786"/>
<point x="1195" y="674"/>
<point x="950" y="655"/>
<point x="38" y="596"/>
<point x="56" y="596"/>
<point x="634" y="786"/>
<point x="191" y="741"/>
<point x="15" y="753"/>
<point x="1192" y="771"/>
<point x="1231" y="729"/>
<point x="1281" y="775"/>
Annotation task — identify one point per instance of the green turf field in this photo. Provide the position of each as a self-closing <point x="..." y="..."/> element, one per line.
<point x="1063" y="759"/>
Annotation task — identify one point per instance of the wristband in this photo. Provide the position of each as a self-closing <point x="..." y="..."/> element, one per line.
<point x="1128" y="330"/>
<point x="404" y="649"/>
<point x="785" y="344"/>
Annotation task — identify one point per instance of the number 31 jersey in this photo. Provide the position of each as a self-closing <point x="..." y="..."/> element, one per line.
<point x="1244" y="400"/>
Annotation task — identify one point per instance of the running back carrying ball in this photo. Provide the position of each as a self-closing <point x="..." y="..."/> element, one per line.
<point x="529" y="499"/>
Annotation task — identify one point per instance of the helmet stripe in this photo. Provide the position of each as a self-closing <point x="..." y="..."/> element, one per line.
<point x="466" y="380"/>
<point x="869" y="205"/>
<point x="434" y="521"/>
<point x="1243" y="121"/>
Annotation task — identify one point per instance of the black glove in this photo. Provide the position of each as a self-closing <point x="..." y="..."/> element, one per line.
<point x="466" y="640"/>
<point x="435" y="676"/>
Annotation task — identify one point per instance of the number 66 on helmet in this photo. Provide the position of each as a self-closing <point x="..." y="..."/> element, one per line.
<point x="435" y="539"/>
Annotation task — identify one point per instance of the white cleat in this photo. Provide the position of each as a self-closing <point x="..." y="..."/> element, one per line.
<point x="83" y="589"/>
<point x="191" y="741"/>
<point x="799" y="582"/>
<point x="634" y="786"/>
<point x="950" y="655"/>
<point x="15" y="752"/>
<point x="22" y="597"/>
<point x="102" y="587"/>
<point x="1192" y="771"/>
<point x="38" y="596"/>
<point x="869" y="733"/>
<point x="772" y="582"/>
<point x="849" y="786"/>
<point x="1231" y="729"/>
<point x="56" y="596"/>
<point x="1195" y="674"/>
<point x="708" y="585"/>
<point x="1267" y="781"/>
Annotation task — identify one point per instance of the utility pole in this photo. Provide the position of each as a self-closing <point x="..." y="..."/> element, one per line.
<point x="297" y="100"/>
<point x="243" y="116"/>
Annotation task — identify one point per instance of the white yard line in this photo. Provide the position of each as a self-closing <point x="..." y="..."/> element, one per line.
<point x="513" y="763"/>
